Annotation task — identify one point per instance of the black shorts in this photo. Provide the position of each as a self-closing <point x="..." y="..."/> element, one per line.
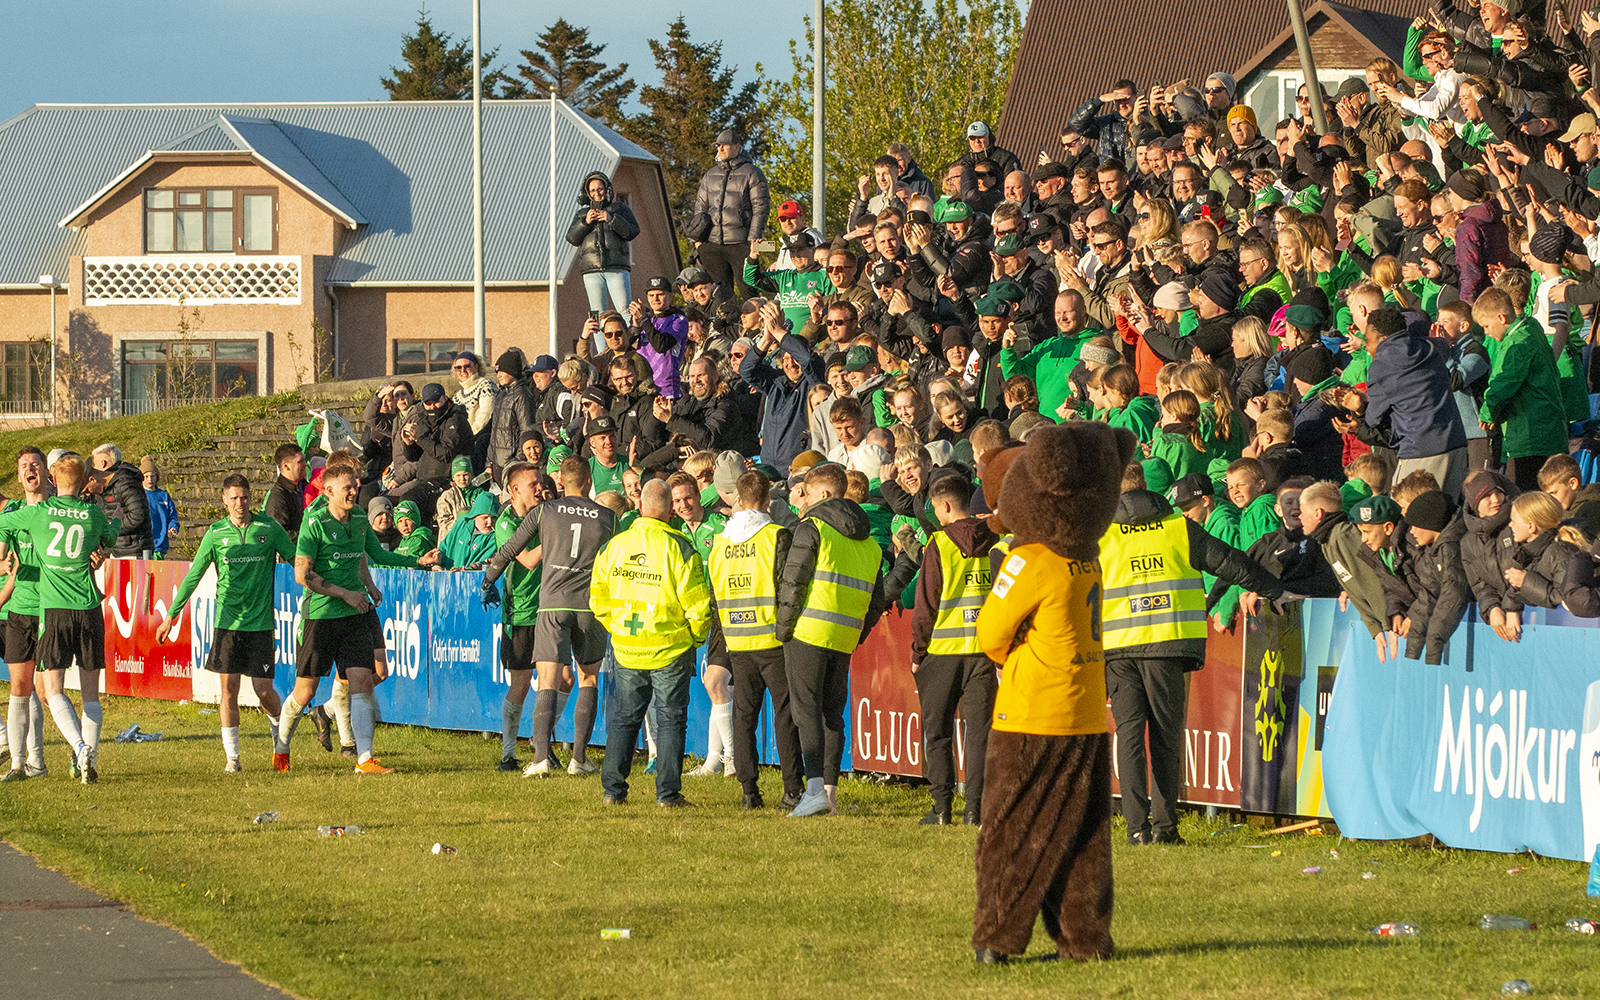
<point x="516" y="647"/>
<point x="717" y="646"/>
<point x="343" y="642"/>
<point x="22" y="638"/>
<point x="246" y="653"/>
<point x="559" y="636"/>
<point x="72" y="635"/>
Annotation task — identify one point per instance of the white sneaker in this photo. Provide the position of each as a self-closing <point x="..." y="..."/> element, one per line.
<point x="811" y="804"/>
<point x="706" y="770"/>
<point x="232" y="766"/>
<point x="728" y="770"/>
<point x="41" y="771"/>
<point x="538" y="769"/>
<point x="581" y="765"/>
<point x="86" y="761"/>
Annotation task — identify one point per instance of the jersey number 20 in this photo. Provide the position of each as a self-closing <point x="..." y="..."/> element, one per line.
<point x="74" y="540"/>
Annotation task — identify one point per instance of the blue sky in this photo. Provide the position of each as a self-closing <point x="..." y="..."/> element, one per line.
<point x="316" y="50"/>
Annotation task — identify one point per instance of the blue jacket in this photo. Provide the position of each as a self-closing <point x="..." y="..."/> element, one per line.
<point x="163" y="518"/>
<point x="1315" y="436"/>
<point x="1408" y="388"/>
<point x="783" y="425"/>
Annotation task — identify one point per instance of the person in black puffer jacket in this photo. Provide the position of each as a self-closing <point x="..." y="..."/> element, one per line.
<point x="1435" y="575"/>
<point x="734" y="194"/>
<point x="515" y="412"/>
<point x="1543" y="551"/>
<point x="120" y="488"/>
<point x="1486" y="511"/>
<point x="602" y="230"/>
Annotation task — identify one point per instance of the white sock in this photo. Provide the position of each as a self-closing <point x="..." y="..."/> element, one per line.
<point x="814" y="786"/>
<point x="287" y="720"/>
<point x="17" y="729"/>
<point x="66" y="720"/>
<point x="272" y="720"/>
<point x="649" y="733"/>
<point x="230" y="742"/>
<point x="722" y="731"/>
<point x="92" y="717"/>
<point x="361" y="724"/>
<point x="341" y="712"/>
<point x="36" y="732"/>
<point x="510" y="718"/>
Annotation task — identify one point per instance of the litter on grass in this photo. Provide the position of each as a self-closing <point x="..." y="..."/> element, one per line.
<point x="1583" y="925"/>
<point x="1515" y="871"/>
<point x="1227" y="829"/>
<point x="443" y="849"/>
<point x="133" y="734"/>
<point x="1313" y="870"/>
<point x="1368" y="875"/>
<point x="1277" y="854"/>
<point x="1517" y="987"/>
<point x="270" y="816"/>
<point x="616" y="933"/>
<point x="208" y="711"/>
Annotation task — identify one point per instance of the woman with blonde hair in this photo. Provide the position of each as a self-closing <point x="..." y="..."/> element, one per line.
<point x="1252" y="349"/>
<point x="1157" y="221"/>
<point x="1294" y="256"/>
<point x="1541" y="551"/>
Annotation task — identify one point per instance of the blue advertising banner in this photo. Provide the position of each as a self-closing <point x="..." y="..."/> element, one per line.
<point x="1496" y="749"/>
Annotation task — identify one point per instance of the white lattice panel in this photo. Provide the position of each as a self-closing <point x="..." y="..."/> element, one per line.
<point x="196" y="281"/>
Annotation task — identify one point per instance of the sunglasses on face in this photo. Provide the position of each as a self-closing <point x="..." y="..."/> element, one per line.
<point x="1216" y="90"/>
<point x="838" y="322"/>
<point x="1007" y="232"/>
<point x="837" y="270"/>
<point x="1103" y="245"/>
<point x="1144" y="216"/>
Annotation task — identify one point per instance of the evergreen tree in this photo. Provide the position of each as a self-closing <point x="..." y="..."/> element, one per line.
<point x="568" y="63"/>
<point x="437" y="70"/>
<point x="697" y="98"/>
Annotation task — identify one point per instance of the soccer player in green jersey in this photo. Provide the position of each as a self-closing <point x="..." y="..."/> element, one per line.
<point x="67" y="535"/>
<point x="520" y="606"/>
<point x="340" y="616"/>
<point x="241" y="546"/>
<point x="25" y="714"/>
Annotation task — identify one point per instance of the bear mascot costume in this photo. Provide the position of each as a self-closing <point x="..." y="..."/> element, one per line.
<point x="1045" y="846"/>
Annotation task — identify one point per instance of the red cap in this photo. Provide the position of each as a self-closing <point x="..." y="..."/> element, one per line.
<point x="789" y="210"/>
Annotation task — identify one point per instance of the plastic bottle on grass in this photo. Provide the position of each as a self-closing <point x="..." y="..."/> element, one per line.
<point x="1517" y="987"/>
<point x="1496" y="922"/>
<point x="1583" y="925"/>
<point x="270" y="816"/>
<point x="1402" y="928"/>
<point x="339" y="831"/>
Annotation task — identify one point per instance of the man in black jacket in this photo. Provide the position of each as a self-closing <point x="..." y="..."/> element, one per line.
<point x="1154" y="621"/>
<point x="436" y="439"/>
<point x="515" y="414"/>
<point x="734" y="194"/>
<point x="121" y="490"/>
<point x="286" y="500"/>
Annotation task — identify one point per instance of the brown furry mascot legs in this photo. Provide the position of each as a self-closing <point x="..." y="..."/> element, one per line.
<point x="1045" y="846"/>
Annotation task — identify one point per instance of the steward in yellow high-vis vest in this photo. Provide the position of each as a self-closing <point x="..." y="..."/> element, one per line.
<point x="648" y="589"/>
<point x="947" y="660"/>
<point x="830" y="595"/>
<point x="747" y="560"/>
<point x="1153" y="624"/>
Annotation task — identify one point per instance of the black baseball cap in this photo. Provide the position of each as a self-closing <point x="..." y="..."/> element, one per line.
<point x="543" y="363"/>
<point x="1191" y="489"/>
<point x="600" y="425"/>
<point x="884" y="272"/>
<point x="432" y="392"/>
<point x="799" y="241"/>
<point x="659" y="284"/>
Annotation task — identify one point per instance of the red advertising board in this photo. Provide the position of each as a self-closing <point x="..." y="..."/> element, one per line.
<point x="137" y="594"/>
<point x="886" y="726"/>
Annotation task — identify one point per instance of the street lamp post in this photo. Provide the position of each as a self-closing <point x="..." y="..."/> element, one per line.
<point x="49" y="282"/>
<point x="478" y="322"/>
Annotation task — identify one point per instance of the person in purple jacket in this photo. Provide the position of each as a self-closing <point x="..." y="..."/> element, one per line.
<point x="661" y="330"/>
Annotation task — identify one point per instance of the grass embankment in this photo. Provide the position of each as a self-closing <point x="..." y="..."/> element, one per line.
<point x="170" y="430"/>
<point x="724" y="903"/>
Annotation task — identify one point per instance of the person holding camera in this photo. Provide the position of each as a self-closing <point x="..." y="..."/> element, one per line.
<point x="602" y="230"/>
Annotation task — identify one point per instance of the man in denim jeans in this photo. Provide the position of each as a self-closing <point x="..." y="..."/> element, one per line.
<point x="649" y="591"/>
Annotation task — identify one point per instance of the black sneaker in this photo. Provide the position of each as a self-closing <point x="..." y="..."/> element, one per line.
<point x="509" y="764"/>
<point x="18" y="774"/>
<point x="789" y="801"/>
<point x="614" y="800"/>
<point x="972" y="818"/>
<point x="347" y="750"/>
<point x="935" y="818"/>
<point x="753" y="800"/>
<point x="1139" y="838"/>
<point x="1169" y="837"/>
<point x="674" y="802"/>
<point x="985" y="956"/>
<point x="319" y="719"/>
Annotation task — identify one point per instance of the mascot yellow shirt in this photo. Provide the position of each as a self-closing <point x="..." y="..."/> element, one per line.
<point x="1042" y="620"/>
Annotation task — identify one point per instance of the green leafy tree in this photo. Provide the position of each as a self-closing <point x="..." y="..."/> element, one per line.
<point x="698" y="97"/>
<point x="437" y="68"/>
<point x="568" y="63"/>
<point x="908" y="71"/>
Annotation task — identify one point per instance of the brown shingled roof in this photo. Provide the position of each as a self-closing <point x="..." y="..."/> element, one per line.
<point x="1076" y="49"/>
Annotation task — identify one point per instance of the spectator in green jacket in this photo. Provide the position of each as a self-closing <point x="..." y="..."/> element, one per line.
<point x="1524" y="391"/>
<point x="1051" y="360"/>
<point x="415" y="539"/>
